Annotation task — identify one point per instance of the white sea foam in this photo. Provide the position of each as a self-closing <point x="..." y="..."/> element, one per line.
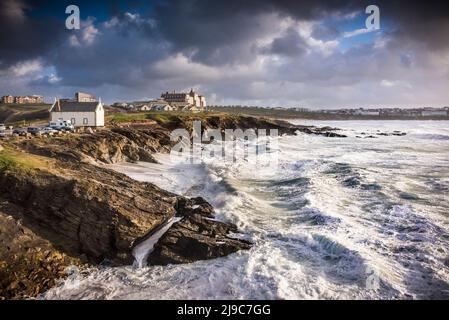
<point x="143" y="249"/>
<point x="333" y="214"/>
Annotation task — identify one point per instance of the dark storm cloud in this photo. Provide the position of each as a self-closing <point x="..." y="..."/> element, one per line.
<point x="326" y="33"/>
<point x="119" y="51"/>
<point x="212" y="32"/>
<point x="290" y="44"/>
<point x="147" y="46"/>
<point x="218" y="32"/>
<point x="35" y="28"/>
<point x="23" y="38"/>
<point x="426" y="22"/>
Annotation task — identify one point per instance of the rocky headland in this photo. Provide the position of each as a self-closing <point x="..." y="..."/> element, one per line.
<point x="60" y="206"/>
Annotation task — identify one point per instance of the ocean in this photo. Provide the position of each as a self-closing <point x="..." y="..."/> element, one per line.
<point x="338" y="218"/>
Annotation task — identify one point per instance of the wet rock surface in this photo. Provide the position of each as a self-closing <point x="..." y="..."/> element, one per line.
<point x="197" y="236"/>
<point x="71" y="210"/>
<point x="92" y="211"/>
<point x="29" y="263"/>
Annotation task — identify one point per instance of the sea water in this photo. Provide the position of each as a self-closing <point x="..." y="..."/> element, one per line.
<point x="339" y="218"/>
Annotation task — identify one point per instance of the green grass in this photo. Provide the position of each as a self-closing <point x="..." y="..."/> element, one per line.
<point x="126" y="117"/>
<point x="13" y="160"/>
<point x="161" y="117"/>
<point x="26" y="107"/>
<point x="24" y="115"/>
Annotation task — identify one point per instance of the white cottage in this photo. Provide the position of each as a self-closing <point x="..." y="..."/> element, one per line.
<point x="80" y="114"/>
<point x="162" y="107"/>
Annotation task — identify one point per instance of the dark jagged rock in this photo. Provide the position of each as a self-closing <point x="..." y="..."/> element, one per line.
<point x="90" y="211"/>
<point x="188" y="207"/>
<point x="64" y="207"/>
<point x="29" y="263"/>
<point x="104" y="146"/>
<point x="87" y="212"/>
<point x="197" y="236"/>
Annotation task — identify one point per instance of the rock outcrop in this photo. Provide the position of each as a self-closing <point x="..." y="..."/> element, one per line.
<point x="101" y="147"/>
<point x="60" y="206"/>
<point x="88" y="211"/>
<point x="197" y="236"/>
<point x="29" y="263"/>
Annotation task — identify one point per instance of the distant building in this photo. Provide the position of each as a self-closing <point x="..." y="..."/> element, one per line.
<point x="84" y="97"/>
<point x="23" y="99"/>
<point x="19" y="99"/>
<point x="364" y="112"/>
<point x="434" y="112"/>
<point x="144" y="107"/>
<point x="8" y="99"/>
<point x="163" y="107"/>
<point x="33" y="99"/>
<point x="80" y="114"/>
<point x="181" y="100"/>
<point x="121" y="105"/>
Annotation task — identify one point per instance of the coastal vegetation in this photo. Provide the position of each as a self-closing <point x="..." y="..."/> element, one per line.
<point x="24" y="115"/>
<point x="60" y="205"/>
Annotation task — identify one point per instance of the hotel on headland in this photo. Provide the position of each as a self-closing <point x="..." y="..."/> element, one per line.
<point x="170" y="101"/>
<point x="182" y="100"/>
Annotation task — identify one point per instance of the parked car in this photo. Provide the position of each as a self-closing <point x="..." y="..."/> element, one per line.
<point x="2" y="127"/>
<point x="62" y="125"/>
<point x="49" y="131"/>
<point x="2" y="134"/>
<point x="20" y="131"/>
<point x="34" y="130"/>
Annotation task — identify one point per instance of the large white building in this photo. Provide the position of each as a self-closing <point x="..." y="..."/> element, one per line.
<point x="80" y="114"/>
<point x="181" y="101"/>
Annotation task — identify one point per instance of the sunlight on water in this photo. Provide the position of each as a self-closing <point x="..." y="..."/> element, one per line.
<point x="339" y="218"/>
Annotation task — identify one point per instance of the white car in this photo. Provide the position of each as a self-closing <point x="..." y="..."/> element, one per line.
<point x="49" y="131"/>
<point x="62" y="125"/>
<point x="2" y="127"/>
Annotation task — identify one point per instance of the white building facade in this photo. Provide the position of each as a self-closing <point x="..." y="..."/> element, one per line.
<point x="180" y="100"/>
<point x="80" y="114"/>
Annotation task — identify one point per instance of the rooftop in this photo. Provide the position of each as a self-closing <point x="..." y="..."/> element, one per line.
<point x="73" y="106"/>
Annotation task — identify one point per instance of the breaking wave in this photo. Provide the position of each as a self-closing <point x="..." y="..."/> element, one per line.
<point x="335" y="214"/>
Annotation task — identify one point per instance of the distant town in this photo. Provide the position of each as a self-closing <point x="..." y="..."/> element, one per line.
<point x="192" y="101"/>
<point x="169" y="101"/>
<point x="22" y="99"/>
<point x="344" y="113"/>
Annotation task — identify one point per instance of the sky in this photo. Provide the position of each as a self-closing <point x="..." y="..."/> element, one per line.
<point x="287" y="53"/>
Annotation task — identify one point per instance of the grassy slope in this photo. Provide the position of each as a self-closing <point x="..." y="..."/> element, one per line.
<point x="24" y="115"/>
<point x="160" y="117"/>
<point x="13" y="160"/>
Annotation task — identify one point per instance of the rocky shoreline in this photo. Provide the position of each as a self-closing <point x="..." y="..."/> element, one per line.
<point x="59" y="207"/>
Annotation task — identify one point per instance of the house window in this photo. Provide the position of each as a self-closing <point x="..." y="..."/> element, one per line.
<point x="85" y="121"/>
<point x="73" y="121"/>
